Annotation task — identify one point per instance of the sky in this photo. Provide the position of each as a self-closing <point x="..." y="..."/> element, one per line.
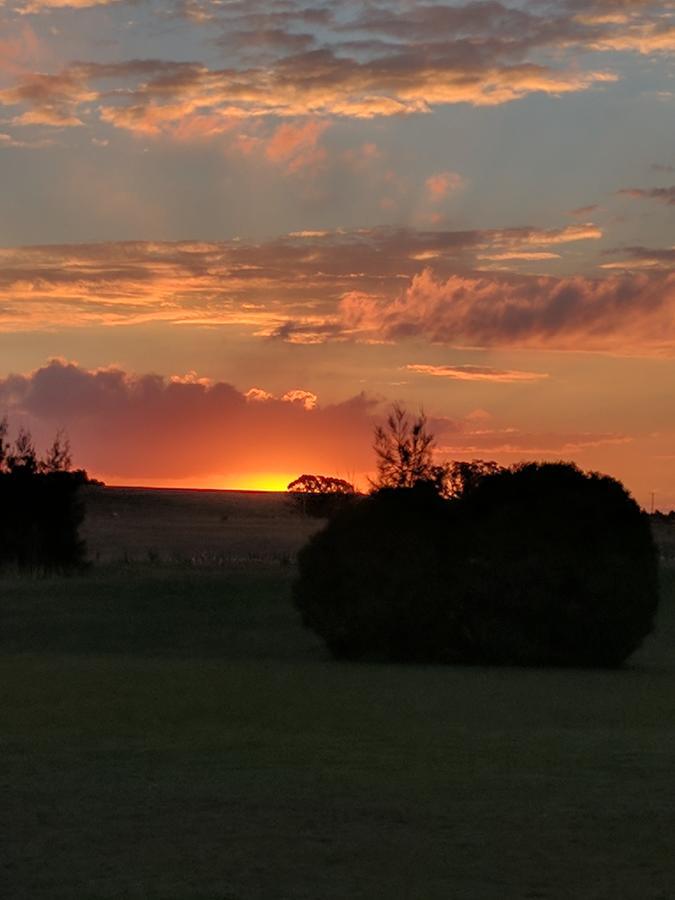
<point x="232" y="234"/>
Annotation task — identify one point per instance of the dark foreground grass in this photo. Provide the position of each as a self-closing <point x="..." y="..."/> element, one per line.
<point x="175" y="734"/>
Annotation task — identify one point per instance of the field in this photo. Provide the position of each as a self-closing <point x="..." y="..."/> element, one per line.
<point x="170" y="732"/>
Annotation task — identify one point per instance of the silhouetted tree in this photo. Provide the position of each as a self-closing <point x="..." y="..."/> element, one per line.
<point x="320" y="496"/>
<point x="4" y="447"/>
<point x="41" y="506"/>
<point x="22" y="457"/>
<point x="57" y="458"/>
<point x="403" y="448"/>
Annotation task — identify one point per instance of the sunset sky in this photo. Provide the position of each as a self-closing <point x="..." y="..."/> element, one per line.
<point x="232" y="233"/>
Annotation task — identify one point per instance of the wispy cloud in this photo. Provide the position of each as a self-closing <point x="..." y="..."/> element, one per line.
<point x="521" y="444"/>
<point x="662" y="194"/>
<point x="476" y="373"/>
<point x="637" y="257"/>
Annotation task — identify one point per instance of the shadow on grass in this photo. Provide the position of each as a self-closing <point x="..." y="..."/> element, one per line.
<point x="244" y="612"/>
<point x="156" y="610"/>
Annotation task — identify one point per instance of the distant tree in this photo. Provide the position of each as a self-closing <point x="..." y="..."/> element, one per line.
<point x="320" y="496"/>
<point x="404" y="451"/>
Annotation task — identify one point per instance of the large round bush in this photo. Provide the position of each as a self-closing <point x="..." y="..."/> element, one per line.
<point x="371" y="584"/>
<point x="559" y="568"/>
<point x="540" y="564"/>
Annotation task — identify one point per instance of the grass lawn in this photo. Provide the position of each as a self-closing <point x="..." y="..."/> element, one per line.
<point x="171" y="732"/>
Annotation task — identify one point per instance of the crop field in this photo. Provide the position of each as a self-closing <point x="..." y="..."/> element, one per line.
<point x="170" y="732"/>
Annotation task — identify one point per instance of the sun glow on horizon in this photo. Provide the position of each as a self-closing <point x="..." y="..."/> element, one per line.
<point x="259" y="481"/>
<point x="255" y="481"/>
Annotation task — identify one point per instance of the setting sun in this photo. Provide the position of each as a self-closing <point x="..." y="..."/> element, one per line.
<point x="262" y="481"/>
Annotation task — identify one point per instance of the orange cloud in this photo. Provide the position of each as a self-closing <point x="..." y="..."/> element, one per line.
<point x="662" y="194"/>
<point x="51" y="99"/>
<point x="519" y="254"/>
<point x="441" y="185"/>
<point x="641" y="37"/>
<point x="19" y="51"/>
<point x="476" y="373"/>
<point x="136" y="427"/>
<point x="38" y="6"/>
<point x="514" y="442"/>
<point x="155" y="96"/>
<point x="296" y="147"/>
<point x="369" y="62"/>
<point x="306" y="399"/>
<point x="623" y="314"/>
<point x="366" y="285"/>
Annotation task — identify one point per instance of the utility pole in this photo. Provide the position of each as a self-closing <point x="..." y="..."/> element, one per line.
<point x="652" y="507"/>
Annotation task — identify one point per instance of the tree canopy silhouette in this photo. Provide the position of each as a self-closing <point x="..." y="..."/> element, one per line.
<point x="41" y="507"/>
<point x="320" y="496"/>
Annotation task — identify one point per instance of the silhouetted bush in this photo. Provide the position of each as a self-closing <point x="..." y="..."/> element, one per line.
<point x="540" y="564"/>
<point x="42" y="514"/>
<point x="560" y="568"/>
<point x="369" y="583"/>
<point x="41" y="506"/>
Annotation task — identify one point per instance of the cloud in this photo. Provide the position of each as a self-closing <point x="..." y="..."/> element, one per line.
<point x="476" y="373"/>
<point x="258" y="395"/>
<point x="42" y="6"/>
<point x="296" y="147"/>
<point x="662" y="194"/>
<point x="301" y="60"/>
<point x="441" y="185"/>
<point x="50" y="99"/>
<point x="37" y="7"/>
<point x="642" y="258"/>
<point x="584" y="211"/>
<point x="19" y="51"/>
<point x="525" y="255"/>
<point x="8" y="141"/>
<point x="522" y="444"/>
<point x="365" y="285"/>
<point x="145" y="428"/>
<point x="321" y="83"/>
<point x="289" y="286"/>
<point x="646" y="38"/>
<point x="624" y="314"/>
<point x="127" y="426"/>
<point x="306" y="399"/>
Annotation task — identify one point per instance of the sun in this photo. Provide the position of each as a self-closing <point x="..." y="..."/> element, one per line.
<point x="261" y="481"/>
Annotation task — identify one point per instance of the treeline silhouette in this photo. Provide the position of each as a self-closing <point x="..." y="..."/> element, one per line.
<point x="471" y="562"/>
<point x="41" y="506"/>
